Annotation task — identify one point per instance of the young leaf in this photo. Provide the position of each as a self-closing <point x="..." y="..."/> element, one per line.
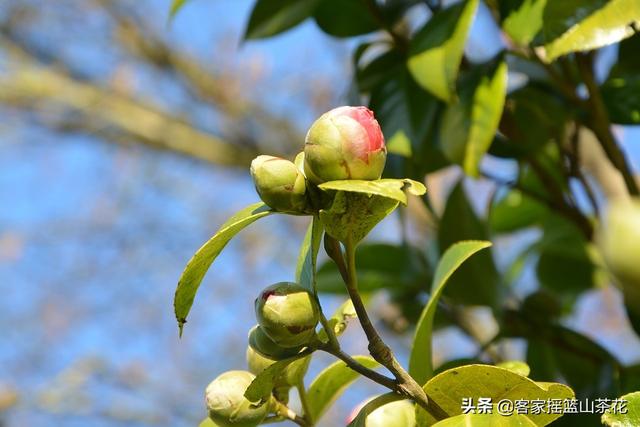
<point x="331" y="382"/>
<point x="389" y="188"/>
<point x="402" y="413"/>
<point x="523" y="24"/>
<point x="200" y="262"/>
<point x="469" y="126"/>
<point x="309" y="254"/>
<point x="353" y="214"/>
<point x="615" y="418"/>
<point x="420" y="361"/>
<point x="486" y="420"/>
<point x="613" y="22"/>
<point x="437" y="49"/>
<point x="261" y="387"/>
<point x="474" y="381"/>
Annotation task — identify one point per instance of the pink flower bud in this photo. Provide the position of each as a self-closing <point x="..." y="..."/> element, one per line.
<point x="344" y="143"/>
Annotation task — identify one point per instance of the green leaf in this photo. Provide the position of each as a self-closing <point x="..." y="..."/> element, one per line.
<point x="421" y="359"/>
<point x="609" y="24"/>
<point x="331" y="382"/>
<point x="176" y="5"/>
<point x="516" y="366"/>
<point x="309" y="254"/>
<point x="207" y="422"/>
<point x="387" y="410"/>
<point x="353" y="215"/>
<point x="380" y="266"/>
<point x="263" y="384"/>
<point x="474" y="381"/>
<point x="437" y="49"/>
<point x="345" y="18"/>
<point x="486" y="420"/>
<point x="629" y="419"/>
<point x="524" y="23"/>
<point x="200" y="262"/>
<point x="389" y="188"/>
<point x="469" y="126"/>
<point x="515" y="211"/>
<point x="621" y="96"/>
<point x="340" y="319"/>
<point x="271" y="17"/>
<point x="475" y="282"/>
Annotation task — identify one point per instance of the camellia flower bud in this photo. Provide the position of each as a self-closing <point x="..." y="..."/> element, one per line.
<point x="280" y="184"/>
<point x="287" y="313"/>
<point x="619" y="241"/>
<point x="291" y="375"/>
<point x="261" y="342"/>
<point x="395" y="414"/>
<point x="226" y="402"/>
<point x="344" y="143"/>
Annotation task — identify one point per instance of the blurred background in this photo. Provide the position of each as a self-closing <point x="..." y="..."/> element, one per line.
<point x="125" y="142"/>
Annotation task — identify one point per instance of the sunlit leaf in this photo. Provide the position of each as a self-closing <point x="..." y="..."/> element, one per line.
<point x="387" y="410"/>
<point x="525" y="22"/>
<point x="486" y="420"/>
<point x="331" y="382"/>
<point x="389" y="188"/>
<point x="609" y="24"/>
<point x="516" y="366"/>
<point x="631" y="418"/>
<point x="421" y="359"/>
<point x="262" y="385"/>
<point x="469" y="126"/>
<point x="309" y="254"/>
<point x="437" y="49"/>
<point x="199" y="264"/>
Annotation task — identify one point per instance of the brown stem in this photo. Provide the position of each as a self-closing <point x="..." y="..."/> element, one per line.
<point x="405" y="384"/>
<point x="601" y="125"/>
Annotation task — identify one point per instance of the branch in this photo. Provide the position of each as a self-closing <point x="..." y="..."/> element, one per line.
<point x="601" y="125"/>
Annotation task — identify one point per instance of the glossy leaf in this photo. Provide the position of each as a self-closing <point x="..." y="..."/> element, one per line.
<point x="387" y="410"/>
<point x="199" y="264"/>
<point x="437" y="49"/>
<point x="309" y="254"/>
<point x="525" y="22"/>
<point x="469" y="126"/>
<point x="614" y="418"/>
<point x="271" y="17"/>
<point x="421" y="359"/>
<point x="475" y="282"/>
<point x="331" y="382"/>
<point x="515" y="366"/>
<point x="389" y="188"/>
<point x="607" y="25"/>
<point x="474" y="381"/>
<point x="344" y="18"/>
<point x="486" y="420"/>
<point x="263" y="384"/>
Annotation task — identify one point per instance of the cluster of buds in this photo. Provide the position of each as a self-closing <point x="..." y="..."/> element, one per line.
<point x="344" y="143"/>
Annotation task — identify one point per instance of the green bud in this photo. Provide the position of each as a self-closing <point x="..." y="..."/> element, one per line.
<point x="226" y="402"/>
<point x="291" y="375"/>
<point x="344" y="143"/>
<point x="261" y="342"/>
<point x="288" y="314"/>
<point x="619" y="242"/>
<point x="280" y="184"/>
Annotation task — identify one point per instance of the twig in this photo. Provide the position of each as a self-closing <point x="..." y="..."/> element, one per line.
<point x="601" y="125"/>
<point x="304" y="401"/>
<point x="284" y="411"/>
